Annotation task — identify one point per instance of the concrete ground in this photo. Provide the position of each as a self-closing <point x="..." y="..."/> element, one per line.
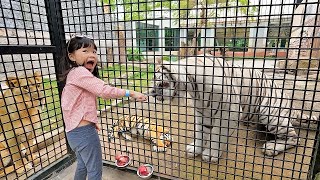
<point x="109" y="173"/>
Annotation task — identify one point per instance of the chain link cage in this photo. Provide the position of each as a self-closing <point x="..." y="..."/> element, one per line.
<point x="232" y="86"/>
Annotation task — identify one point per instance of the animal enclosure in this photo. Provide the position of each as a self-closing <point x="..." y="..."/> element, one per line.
<point x="232" y="86"/>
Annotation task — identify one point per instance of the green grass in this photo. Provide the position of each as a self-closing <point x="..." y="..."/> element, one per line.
<point x="51" y="116"/>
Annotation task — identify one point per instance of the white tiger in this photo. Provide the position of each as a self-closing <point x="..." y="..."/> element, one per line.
<point x="223" y="94"/>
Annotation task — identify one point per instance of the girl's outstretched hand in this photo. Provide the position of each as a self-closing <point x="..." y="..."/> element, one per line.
<point x="138" y="96"/>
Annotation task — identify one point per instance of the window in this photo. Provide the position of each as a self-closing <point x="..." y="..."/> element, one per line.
<point x="278" y="38"/>
<point x="172" y="39"/>
<point x="235" y="39"/>
<point x="147" y="37"/>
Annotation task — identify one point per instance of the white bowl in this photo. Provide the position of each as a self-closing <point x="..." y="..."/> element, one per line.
<point x="150" y="170"/>
<point x="118" y="166"/>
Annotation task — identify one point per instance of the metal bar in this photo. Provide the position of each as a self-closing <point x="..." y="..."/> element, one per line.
<point x="25" y="49"/>
<point x="54" y="167"/>
<point x="57" y="34"/>
<point x="250" y="42"/>
<point x="315" y="164"/>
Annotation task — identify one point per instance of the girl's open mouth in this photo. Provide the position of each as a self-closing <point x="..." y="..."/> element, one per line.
<point x="90" y="64"/>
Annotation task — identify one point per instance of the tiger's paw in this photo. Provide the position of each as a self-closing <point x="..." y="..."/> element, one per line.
<point x="272" y="148"/>
<point x="193" y="151"/>
<point x="159" y="149"/>
<point x="212" y="156"/>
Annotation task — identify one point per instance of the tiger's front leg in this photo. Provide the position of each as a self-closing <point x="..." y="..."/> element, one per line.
<point x="201" y="133"/>
<point x="222" y="129"/>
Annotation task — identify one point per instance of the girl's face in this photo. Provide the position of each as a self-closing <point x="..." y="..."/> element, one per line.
<point x="86" y="57"/>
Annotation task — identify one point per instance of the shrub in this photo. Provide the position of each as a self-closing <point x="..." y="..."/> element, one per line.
<point x="134" y="54"/>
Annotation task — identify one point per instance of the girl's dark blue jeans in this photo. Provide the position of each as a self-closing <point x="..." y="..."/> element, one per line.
<point x="85" y="142"/>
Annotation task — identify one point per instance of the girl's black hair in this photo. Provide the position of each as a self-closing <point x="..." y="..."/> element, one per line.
<point x="74" y="44"/>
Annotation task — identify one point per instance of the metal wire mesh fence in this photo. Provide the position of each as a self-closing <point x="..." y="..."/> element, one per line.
<point x="233" y="85"/>
<point x="32" y="132"/>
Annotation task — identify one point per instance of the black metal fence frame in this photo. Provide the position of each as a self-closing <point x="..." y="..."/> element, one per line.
<point x="57" y="35"/>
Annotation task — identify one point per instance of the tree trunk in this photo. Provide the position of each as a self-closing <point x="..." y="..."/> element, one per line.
<point x="122" y="44"/>
<point x="121" y="40"/>
<point x="183" y="50"/>
<point x="192" y="50"/>
<point x="316" y="43"/>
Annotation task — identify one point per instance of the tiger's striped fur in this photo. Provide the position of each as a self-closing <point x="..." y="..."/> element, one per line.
<point x="134" y="125"/>
<point x="223" y="94"/>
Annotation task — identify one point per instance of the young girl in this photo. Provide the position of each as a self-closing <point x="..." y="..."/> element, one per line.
<point x="78" y="102"/>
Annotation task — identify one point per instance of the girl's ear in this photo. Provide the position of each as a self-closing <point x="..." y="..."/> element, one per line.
<point x="70" y="55"/>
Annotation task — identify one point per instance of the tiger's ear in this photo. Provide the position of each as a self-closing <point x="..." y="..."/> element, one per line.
<point x="12" y="82"/>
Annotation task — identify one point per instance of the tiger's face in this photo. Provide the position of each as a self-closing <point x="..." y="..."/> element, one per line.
<point x="164" y="86"/>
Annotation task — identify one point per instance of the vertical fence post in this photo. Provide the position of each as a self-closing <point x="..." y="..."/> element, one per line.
<point x="57" y="37"/>
<point x="316" y="164"/>
<point x="57" y="34"/>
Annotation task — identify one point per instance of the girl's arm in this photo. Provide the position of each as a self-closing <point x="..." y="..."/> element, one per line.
<point x="84" y="79"/>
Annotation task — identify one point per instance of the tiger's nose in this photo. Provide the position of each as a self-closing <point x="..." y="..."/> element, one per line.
<point x="153" y="93"/>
